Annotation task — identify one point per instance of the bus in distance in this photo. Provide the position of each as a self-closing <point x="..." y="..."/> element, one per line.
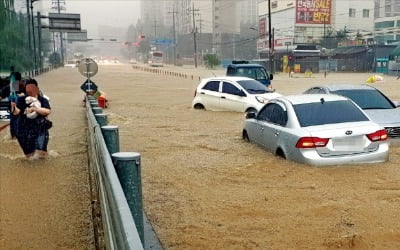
<point x="156" y="59"/>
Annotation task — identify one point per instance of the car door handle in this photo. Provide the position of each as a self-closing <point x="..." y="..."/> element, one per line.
<point x="276" y="133"/>
<point x="261" y="128"/>
<point x="223" y="97"/>
<point x="202" y="93"/>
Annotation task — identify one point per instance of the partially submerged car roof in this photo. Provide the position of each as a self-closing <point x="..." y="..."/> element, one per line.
<point x="246" y="65"/>
<point x="344" y="86"/>
<point x="310" y="98"/>
<point x="232" y="78"/>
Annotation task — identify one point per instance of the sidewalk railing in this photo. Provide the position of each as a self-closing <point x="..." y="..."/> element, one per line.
<point x="119" y="229"/>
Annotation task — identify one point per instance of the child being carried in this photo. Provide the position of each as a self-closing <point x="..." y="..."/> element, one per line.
<point x="32" y="102"/>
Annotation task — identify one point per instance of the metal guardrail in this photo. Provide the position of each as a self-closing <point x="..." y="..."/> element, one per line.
<point x="118" y="224"/>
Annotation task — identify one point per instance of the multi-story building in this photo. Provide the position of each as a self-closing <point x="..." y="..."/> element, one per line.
<point x="226" y="26"/>
<point x="309" y="22"/>
<point x="248" y="11"/>
<point x="156" y="16"/>
<point x="387" y="22"/>
<point x="215" y="21"/>
<point x="202" y="10"/>
<point x="387" y="8"/>
<point x="355" y="17"/>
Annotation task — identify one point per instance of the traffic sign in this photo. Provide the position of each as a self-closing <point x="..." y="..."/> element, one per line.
<point x="161" y="41"/>
<point x="88" y="67"/>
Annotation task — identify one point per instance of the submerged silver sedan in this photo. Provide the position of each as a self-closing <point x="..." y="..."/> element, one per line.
<point x="375" y="104"/>
<point x="318" y="130"/>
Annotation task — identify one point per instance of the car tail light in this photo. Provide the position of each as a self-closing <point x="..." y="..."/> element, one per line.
<point x="311" y="142"/>
<point x="379" y="135"/>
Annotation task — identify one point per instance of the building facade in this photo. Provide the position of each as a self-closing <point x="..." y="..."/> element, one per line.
<point x="248" y="11"/>
<point x="312" y="22"/>
<point x="387" y="22"/>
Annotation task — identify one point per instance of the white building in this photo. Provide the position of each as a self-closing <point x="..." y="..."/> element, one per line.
<point x="202" y="10"/>
<point x="387" y="8"/>
<point x="248" y="11"/>
<point x="156" y="15"/>
<point x="298" y="22"/>
<point x="283" y="24"/>
<point x="216" y="17"/>
<point x="387" y="22"/>
<point x="355" y="16"/>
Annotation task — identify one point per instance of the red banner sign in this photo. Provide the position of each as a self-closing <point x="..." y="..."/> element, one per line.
<point x="313" y="11"/>
<point x="262" y="27"/>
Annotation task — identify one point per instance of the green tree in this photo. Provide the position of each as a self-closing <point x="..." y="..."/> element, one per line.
<point x="14" y="49"/>
<point x="211" y="60"/>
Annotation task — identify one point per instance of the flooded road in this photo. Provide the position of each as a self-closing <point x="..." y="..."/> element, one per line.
<point x="203" y="187"/>
<point x="47" y="204"/>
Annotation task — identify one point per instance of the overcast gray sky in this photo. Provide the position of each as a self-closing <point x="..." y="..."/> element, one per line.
<point x="118" y="13"/>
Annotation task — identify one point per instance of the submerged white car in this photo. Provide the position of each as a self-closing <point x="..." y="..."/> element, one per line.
<point x="229" y="93"/>
<point x="318" y="130"/>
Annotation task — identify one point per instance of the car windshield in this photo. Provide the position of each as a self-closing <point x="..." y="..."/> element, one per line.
<point x="257" y="73"/>
<point x="319" y="113"/>
<point x="366" y="99"/>
<point x="254" y="87"/>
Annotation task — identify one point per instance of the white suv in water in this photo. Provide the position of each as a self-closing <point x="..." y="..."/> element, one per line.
<point x="230" y="93"/>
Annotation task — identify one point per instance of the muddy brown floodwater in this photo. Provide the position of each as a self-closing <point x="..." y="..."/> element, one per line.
<point x="203" y="187"/>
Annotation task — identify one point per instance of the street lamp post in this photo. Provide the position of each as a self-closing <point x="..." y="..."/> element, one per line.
<point x="271" y="54"/>
<point x="33" y="35"/>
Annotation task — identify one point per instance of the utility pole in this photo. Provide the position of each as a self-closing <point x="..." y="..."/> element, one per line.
<point x="61" y="35"/>
<point x="34" y="38"/>
<point x="29" y="24"/>
<point x="155" y="28"/>
<point x="201" y="24"/>
<point x="194" y="36"/>
<point x="39" y="26"/>
<point x="174" y="32"/>
<point x="271" y="55"/>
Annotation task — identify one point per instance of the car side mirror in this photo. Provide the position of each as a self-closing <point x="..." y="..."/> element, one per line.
<point x="271" y="76"/>
<point x="250" y="115"/>
<point x="241" y="93"/>
<point x="396" y="103"/>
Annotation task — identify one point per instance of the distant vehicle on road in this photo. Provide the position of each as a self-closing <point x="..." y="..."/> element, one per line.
<point x="375" y="104"/>
<point x="73" y="63"/>
<point x="317" y="130"/>
<point x="4" y="109"/>
<point x="232" y="93"/>
<point x="156" y="58"/>
<point x="251" y="70"/>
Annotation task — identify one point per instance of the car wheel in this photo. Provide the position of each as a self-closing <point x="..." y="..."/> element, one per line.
<point x="245" y="136"/>
<point x="198" y="106"/>
<point x="280" y="153"/>
<point x="253" y="110"/>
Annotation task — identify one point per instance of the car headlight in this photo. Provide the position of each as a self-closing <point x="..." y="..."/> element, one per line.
<point x="261" y="99"/>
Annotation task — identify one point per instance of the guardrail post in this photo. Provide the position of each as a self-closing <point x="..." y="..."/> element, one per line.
<point x="127" y="166"/>
<point x="94" y="103"/>
<point x="101" y="119"/>
<point x="97" y="110"/>
<point x="111" y="137"/>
